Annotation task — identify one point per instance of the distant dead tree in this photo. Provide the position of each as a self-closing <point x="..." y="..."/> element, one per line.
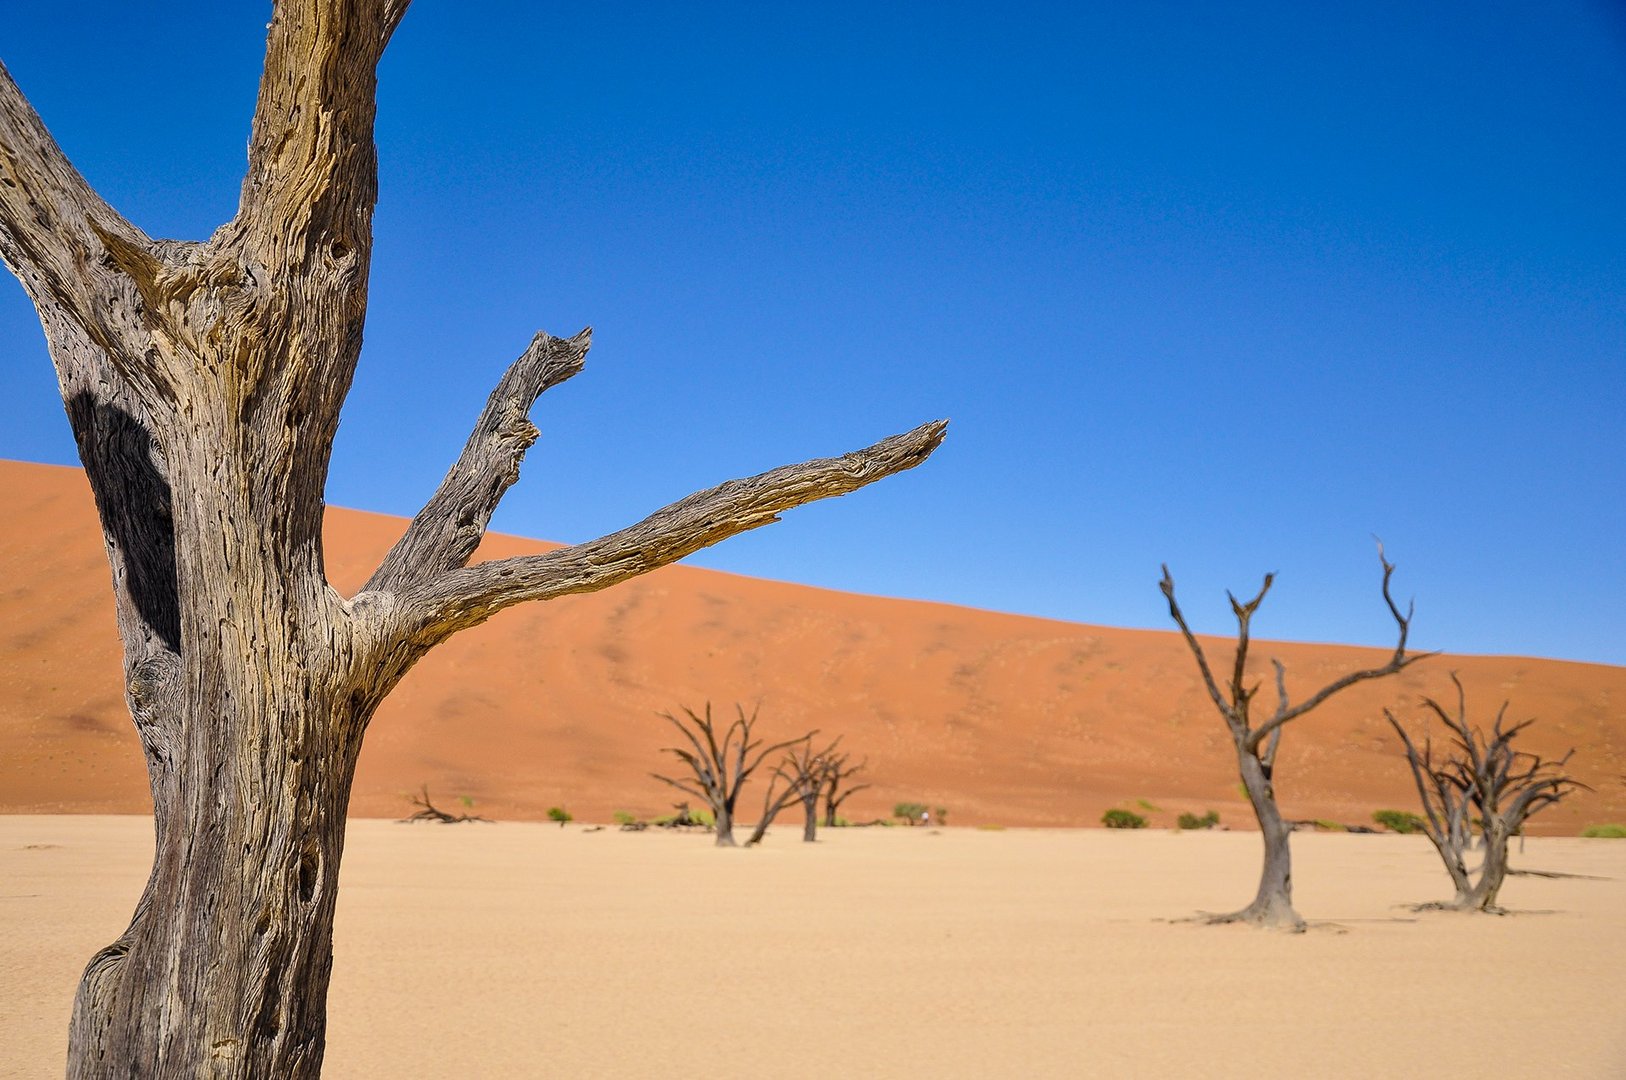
<point x="797" y="770"/>
<point x="806" y="773"/>
<point x="1256" y="746"/>
<point x="838" y="770"/>
<point x="428" y="811"/>
<point x="1482" y="785"/>
<point x="719" y="770"/>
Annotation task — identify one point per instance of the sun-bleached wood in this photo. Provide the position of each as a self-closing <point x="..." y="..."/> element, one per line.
<point x="1256" y="746"/>
<point x="203" y="382"/>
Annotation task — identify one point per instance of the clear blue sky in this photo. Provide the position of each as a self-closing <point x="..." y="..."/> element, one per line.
<point x="1228" y="286"/>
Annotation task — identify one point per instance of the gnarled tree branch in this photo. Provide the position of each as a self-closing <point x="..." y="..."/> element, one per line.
<point x="78" y="258"/>
<point x="469" y="596"/>
<point x="448" y="529"/>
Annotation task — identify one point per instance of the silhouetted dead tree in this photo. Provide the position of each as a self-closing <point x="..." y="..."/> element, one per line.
<point x="1483" y="785"/>
<point x="778" y="798"/>
<point x="718" y="770"/>
<point x="203" y="382"/>
<point x="837" y="772"/>
<point x="806" y="773"/>
<point x="1256" y="746"/>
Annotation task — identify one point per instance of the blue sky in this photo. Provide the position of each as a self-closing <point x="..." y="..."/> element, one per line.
<point x="1229" y="286"/>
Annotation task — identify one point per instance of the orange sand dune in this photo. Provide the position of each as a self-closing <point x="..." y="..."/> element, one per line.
<point x="1001" y="718"/>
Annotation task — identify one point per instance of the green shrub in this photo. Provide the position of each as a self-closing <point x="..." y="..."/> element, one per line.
<point x="941" y="814"/>
<point x="1328" y="826"/>
<point x="622" y="817"/>
<point x="560" y="814"/>
<point x="909" y="811"/>
<point x="1400" y="821"/>
<point x="1149" y="807"/>
<point x="1122" y="819"/>
<point x="1614" y="831"/>
<point x="1192" y="821"/>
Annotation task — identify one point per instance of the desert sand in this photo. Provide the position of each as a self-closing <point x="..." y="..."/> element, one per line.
<point x="522" y="950"/>
<point x="1002" y="719"/>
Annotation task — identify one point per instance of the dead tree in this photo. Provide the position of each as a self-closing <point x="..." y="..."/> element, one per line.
<point x="718" y="770"/>
<point x="838" y="770"/>
<point x="1481" y="786"/>
<point x="777" y="798"/>
<point x="203" y="382"/>
<point x="806" y="773"/>
<point x="1256" y="745"/>
<point x="428" y="811"/>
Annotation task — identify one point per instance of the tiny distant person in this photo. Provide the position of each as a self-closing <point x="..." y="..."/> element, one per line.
<point x="925" y="818"/>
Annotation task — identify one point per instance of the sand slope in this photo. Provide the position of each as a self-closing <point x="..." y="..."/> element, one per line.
<point x="1001" y="718"/>
<point x="522" y="950"/>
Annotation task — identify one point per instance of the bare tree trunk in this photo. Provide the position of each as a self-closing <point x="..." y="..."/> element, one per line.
<point x="1273" y="904"/>
<point x="724" y="827"/>
<point x="203" y="381"/>
<point x="810" y="819"/>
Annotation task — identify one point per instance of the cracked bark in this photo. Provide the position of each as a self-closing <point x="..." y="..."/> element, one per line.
<point x="203" y="382"/>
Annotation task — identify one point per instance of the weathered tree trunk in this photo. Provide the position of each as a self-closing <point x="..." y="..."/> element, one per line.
<point x="810" y="816"/>
<point x="203" y="381"/>
<point x="1273" y="904"/>
<point x="724" y="815"/>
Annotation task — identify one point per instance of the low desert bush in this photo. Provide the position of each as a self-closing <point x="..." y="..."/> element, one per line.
<point x="1122" y="819"/>
<point x="623" y="817"/>
<point x="1613" y="831"/>
<point x="909" y="811"/>
<point x="560" y="814"/>
<point x="1400" y="821"/>
<point x="1192" y="821"/>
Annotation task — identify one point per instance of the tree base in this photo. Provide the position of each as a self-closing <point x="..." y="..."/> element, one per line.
<point x="1464" y="907"/>
<point x="1274" y="917"/>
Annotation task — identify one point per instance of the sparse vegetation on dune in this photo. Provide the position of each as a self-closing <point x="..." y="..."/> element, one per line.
<point x="1192" y="821"/>
<point x="1122" y="819"/>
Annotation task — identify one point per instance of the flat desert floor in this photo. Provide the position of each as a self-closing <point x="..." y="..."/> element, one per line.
<point x="527" y="950"/>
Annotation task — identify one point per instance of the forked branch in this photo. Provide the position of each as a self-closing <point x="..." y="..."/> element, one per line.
<point x="1398" y="661"/>
<point x="449" y="528"/>
<point x="468" y="596"/>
